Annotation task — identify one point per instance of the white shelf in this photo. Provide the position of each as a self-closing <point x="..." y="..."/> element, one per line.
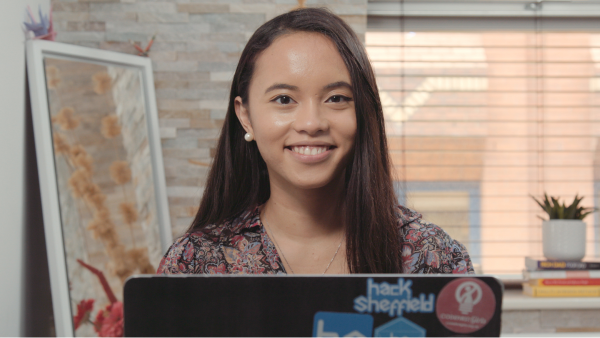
<point x="516" y="300"/>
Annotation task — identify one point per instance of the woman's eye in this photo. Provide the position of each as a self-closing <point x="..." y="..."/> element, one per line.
<point x="283" y="100"/>
<point x="338" y="99"/>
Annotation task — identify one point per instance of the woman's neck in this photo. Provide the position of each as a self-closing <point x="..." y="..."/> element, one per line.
<point x="306" y="214"/>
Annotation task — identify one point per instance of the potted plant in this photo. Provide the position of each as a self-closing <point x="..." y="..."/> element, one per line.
<point x="563" y="233"/>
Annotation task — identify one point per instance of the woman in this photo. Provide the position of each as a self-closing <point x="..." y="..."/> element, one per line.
<point x="301" y="181"/>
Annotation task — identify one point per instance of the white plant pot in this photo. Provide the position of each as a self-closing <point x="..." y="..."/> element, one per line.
<point x="564" y="239"/>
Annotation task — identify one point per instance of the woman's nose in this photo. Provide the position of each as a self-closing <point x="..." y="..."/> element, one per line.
<point x="310" y="118"/>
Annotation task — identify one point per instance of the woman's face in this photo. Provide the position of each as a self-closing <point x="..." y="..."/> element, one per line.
<point x="301" y="110"/>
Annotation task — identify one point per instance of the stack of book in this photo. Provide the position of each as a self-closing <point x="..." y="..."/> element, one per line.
<point x="551" y="278"/>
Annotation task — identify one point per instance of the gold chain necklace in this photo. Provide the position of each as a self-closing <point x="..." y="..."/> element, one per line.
<point x="283" y="255"/>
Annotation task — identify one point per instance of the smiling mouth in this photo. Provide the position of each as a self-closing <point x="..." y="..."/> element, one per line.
<point x="310" y="150"/>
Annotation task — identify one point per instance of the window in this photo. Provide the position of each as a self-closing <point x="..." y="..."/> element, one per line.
<point x="481" y="113"/>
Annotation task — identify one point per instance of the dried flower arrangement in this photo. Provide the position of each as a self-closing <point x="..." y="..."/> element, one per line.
<point x="122" y="261"/>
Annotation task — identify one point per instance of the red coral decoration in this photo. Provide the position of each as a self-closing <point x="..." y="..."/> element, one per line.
<point x="109" y="322"/>
<point x="103" y="281"/>
<point x="84" y="308"/>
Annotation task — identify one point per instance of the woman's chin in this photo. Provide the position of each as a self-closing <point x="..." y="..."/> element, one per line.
<point x="309" y="185"/>
<point x="311" y="181"/>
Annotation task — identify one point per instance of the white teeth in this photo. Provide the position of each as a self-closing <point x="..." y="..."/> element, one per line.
<point x="309" y="150"/>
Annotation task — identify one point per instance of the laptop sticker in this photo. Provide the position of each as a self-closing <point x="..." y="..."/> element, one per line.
<point x="337" y="324"/>
<point x="465" y="305"/>
<point x="399" y="327"/>
<point x="393" y="299"/>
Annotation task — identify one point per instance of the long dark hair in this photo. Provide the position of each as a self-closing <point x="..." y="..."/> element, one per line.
<point x="239" y="181"/>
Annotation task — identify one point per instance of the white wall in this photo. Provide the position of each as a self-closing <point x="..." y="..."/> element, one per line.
<point x="25" y="307"/>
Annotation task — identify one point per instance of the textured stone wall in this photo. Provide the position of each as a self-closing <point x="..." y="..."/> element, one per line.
<point x="197" y="46"/>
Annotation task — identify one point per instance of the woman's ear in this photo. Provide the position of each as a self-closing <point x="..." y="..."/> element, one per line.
<point x="241" y="111"/>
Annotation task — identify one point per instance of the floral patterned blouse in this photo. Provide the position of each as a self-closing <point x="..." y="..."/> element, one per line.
<point x="243" y="247"/>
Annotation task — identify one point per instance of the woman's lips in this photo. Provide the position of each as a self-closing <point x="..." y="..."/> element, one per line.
<point x="310" y="154"/>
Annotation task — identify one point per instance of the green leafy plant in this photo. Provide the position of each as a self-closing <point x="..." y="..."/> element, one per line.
<point x="555" y="210"/>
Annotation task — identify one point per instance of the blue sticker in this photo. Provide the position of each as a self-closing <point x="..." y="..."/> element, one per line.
<point x="336" y="324"/>
<point x="400" y="327"/>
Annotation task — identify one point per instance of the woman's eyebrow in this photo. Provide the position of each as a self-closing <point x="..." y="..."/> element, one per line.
<point x="337" y="85"/>
<point x="281" y="86"/>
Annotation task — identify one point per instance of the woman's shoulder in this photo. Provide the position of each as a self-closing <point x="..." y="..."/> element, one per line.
<point x="427" y="248"/>
<point x="199" y="251"/>
<point x="182" y="255"/>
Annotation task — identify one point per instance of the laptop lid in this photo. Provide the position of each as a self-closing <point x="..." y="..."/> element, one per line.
<point x="323" y="306"/>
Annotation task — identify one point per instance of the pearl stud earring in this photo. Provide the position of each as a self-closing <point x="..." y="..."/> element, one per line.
<point x="248" y="137"/>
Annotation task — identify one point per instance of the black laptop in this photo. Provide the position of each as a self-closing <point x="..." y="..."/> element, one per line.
<point x="318" y="306"/>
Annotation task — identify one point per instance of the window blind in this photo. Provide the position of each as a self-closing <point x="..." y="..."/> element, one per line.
<point x="478" y="121"/>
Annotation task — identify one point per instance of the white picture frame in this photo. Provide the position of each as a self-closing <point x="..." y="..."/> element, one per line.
<point x="39" y="53"/>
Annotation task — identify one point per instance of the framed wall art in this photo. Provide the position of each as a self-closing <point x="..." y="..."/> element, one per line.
<point x="101" y="179"/>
